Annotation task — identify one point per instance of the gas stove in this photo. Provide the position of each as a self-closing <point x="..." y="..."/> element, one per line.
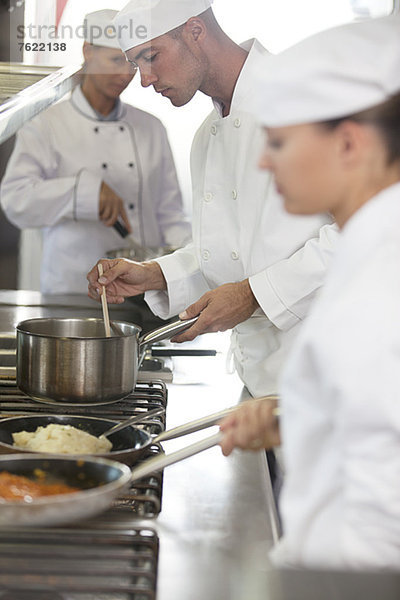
<point x="102" y="559"/>
<point x="78" y="564"/>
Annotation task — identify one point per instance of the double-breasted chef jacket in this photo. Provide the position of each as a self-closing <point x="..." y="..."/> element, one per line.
<point x="53" y="182"/>
<point x="340" y="502"/>
<point x="241" y="230"/>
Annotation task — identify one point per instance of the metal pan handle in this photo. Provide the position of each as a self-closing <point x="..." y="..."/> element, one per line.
<point x="164" y="460"/>
<point x="166" y="332"/>
<point x="194" y="426"/>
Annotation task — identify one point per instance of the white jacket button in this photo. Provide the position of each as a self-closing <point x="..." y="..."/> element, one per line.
<point x="234" y="194"/>
<point x="208" y="197"/>
<point x="214" y="130"/>
<point x="205" y="254"/>
<point x="235" y="255"/>
<point x="237" y="123"/>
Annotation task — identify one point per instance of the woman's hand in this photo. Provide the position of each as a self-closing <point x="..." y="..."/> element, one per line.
<point x="123" y="278"/>
<point x="254" y="425"/>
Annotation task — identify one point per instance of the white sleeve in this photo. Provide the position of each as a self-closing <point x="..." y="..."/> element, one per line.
<point x="185" y="283"/>
<point x="174" y="224"/>
<point x="285" y="290"/>
<point x="32" y="193"/>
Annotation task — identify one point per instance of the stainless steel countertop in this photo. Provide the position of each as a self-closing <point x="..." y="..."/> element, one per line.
<point x="216" y="510"/>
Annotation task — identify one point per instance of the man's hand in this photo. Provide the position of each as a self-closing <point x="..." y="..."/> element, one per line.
<point x="219" y="310"/>
<point x="252" y="426"/>
<point x="124" y="278"/>
<point x="111" y="207"/>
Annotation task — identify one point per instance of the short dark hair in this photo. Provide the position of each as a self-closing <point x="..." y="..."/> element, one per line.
<point x="386" y="117"/>
<point x="176" y="33"/>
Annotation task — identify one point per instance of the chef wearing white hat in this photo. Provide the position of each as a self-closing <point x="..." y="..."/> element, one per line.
<point x="336" y="148"/>
<point x="89" y="161"/>
<point x="254" y="268"/>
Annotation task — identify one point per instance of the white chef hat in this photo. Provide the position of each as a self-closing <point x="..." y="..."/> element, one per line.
<point x="332" y="74"/>
<point x="143" y="20"/>
<point x="99" y="29"/>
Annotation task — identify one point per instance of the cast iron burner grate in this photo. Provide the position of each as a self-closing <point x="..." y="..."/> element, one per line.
<point x="78" y="564"/>
<point x="144" y="498"/>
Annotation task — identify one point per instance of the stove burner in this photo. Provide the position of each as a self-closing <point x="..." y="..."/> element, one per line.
<point x="143" y="499"/>
<point x="78" y="564"/>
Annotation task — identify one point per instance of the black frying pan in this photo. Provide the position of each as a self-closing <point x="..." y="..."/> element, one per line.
<point x="129" y="445"/>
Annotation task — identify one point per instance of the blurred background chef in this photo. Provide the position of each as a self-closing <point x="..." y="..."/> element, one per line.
<point x="89" y="161"/>
<point x="338" y="150"/>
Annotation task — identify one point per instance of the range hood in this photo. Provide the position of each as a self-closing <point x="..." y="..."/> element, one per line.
<point x="27" y="90"/>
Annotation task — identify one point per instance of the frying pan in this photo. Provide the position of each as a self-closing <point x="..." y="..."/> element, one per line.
<point x="70" y="361"/>
<point x="129" y="444"/>
<point x="101" y="480"/>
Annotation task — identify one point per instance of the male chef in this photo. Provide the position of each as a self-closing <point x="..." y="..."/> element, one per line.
<point x="89" y="161"/>
<point x="251" y="266"/>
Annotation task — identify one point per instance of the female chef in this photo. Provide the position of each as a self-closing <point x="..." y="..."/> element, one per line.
<point x="332" y="110"/>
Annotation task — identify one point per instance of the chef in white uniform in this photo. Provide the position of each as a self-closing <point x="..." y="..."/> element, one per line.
<point x="89" y="161"/>
<point x="339" y="150"/>
<point x="254" y="267"/>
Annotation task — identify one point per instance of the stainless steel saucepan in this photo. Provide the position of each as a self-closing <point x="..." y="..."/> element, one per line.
<point x="70" y="361"/>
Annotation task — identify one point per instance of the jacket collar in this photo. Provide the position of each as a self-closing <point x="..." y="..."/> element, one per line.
<point x="82" y="105"/>
<point x="244" y="88"/>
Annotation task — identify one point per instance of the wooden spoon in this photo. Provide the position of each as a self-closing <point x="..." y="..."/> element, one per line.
<point x="104" y="304"/>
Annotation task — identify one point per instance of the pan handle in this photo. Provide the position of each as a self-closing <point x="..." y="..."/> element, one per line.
<point x="166" y="332"/>
<point x="194" y="426"/>
<point x="207" y="421"/>
<point x="164" y="460"/>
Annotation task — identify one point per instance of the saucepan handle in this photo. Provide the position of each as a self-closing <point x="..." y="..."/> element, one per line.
<point x="166" y="332"/>
<point x="164" y="460"/>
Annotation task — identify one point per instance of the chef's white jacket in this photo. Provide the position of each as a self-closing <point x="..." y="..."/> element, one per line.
<point x="53" y="182"/>
<point x="241" y="230"/>
<point x="341" y="405"/>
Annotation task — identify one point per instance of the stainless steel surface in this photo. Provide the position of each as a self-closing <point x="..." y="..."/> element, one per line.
<point x="157" y="463"/>
<point x="133" y="250"/>
<point x="27" y="103"/>
<point x="139" y="253"/>
<point x="216" y="510"/>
